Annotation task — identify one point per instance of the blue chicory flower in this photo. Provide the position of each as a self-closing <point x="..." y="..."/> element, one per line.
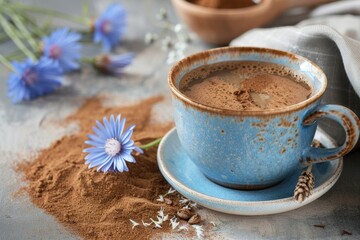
<point x="113" y="64"/>
<point x="31" y="80"/>
<point x="63" y="47"/>
<point x="110" y="26"/>
<point x="112" y="146"/>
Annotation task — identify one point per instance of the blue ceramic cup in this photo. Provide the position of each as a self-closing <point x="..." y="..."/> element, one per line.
<point x="256" y="149"/>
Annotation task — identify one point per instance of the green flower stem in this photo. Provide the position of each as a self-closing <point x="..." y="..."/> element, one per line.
<point x="86" y="41"/>
<point x="6" y="63"/>
<point x="23" y="30"/>
<point x="17" y="55"/>
<point x="3" y="37"/>
<point x="89" y="60"/>
<point x="165" y="28"/>
<point x="49" y="12"/>
<point x="84" y="32"/>
<point x="37" y="31"/>
<point x="15" y="38"/>
<point x="151" y="144"/>
<point x="86" y="36"/>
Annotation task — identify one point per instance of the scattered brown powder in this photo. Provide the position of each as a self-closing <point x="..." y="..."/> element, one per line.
<point x="93" y="204"/>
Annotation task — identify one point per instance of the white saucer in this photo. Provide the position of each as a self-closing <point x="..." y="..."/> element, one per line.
<point x="184" y="176"/>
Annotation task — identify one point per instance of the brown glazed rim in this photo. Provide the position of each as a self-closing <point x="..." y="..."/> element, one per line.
<point x="221" y="11"/>
<point x="188" y="61"/>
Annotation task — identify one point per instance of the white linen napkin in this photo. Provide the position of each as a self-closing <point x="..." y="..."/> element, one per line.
<point x="316" y="42"/>
<point x="332" y="43"/>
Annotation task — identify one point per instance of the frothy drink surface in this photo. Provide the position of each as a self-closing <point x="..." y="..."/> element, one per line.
<point x="245" y="85"/>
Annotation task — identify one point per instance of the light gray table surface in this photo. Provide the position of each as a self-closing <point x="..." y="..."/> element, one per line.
<point x="28" y="127"/>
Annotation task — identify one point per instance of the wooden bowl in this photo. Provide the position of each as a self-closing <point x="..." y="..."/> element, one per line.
<point x="220" y="26"/>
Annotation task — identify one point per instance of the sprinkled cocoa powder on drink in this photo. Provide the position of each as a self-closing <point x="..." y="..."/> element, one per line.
<point x="92" y="204"/>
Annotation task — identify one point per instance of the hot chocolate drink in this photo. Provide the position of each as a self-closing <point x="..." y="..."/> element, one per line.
<point x="245" y="86"/>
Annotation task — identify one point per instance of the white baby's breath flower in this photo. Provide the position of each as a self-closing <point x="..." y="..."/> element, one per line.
<point x="161" y="215"/>
<point x="145" y="224"/>
<point x="150" y="38"/>
<point x="174" y="56"/>
<point x="180" y="46"/>
<point x="184" y="37"/>
<point x="199" y="231"/>
<point x="167" y="43"/>
<point x="161" y="212"/>
<point x="157" y="224"/>
<point x="183" y="228"/>
<point x="183" y="200"/>
<point x="170" y="191"/>
<point x="160" y="199"/>
<point x="178" y="28"/>
<point x="162" y="15"/>
<point x="188" y="203"/>
<point x="173" y="222"/>
<point x="177" y="51"/>
<point x="216" y="225"/>
<point x="134" y="224"/>
<point x="159" y="220"/>
<point x="187" y="207"/>
<point x="180" y="54"/>
<point x="174" y="38"/>
<point x="171" y="58"/>
<point x="193" y="205"/>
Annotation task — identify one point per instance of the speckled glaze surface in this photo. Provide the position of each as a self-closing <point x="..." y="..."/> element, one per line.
<point x="255" y="149"/>
<point x="186" y="178"/>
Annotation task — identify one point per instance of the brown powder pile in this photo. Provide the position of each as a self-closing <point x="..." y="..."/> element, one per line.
<point x="224" y="4"/>
<point x="93" y="204"/>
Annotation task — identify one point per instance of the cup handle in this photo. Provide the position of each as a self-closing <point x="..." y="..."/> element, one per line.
<point x="346" y="118"/>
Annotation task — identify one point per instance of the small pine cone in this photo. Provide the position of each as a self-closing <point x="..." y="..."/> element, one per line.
<point x="304" y="186"/>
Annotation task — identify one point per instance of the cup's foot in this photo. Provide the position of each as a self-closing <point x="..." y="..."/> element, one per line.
<point x="243" y="186"/>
